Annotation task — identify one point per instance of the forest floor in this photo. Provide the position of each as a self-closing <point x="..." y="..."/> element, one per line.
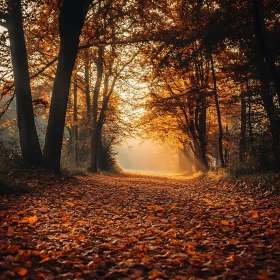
<point x="133" y="226"/>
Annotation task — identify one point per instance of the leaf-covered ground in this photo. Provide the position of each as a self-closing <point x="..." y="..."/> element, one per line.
<point x="132" y="226"/>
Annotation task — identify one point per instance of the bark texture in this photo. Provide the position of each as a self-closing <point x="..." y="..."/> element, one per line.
<point x="219" y="117"/>
<point x="29" y="141"/>
<point x="72" y="16"/>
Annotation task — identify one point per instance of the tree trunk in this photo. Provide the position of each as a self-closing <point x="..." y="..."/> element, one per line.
<point x="273" y="117"/>
<point x="103" y="158"/>
<point x="226" y="152"/>
<point x="87" y="89"/>
<point x="200" y="117"/>
<point x="202" y="137"/>
<point x="29" y="141"/>
<point x="106" y="98"/>
<point x="94" y="150"/>
<point x="267" y="98"/>
<point x="70" y="141"/>
<point x="95" y="130"/>
<point x="72" y="16"/>
<point x="251" y="136"/>
<point x="243" y="116"/>
<point x="198" y="158"/>
<point x="219" y="118"/>
<point x="263" y="48"/>
<point x="75" y="120"/>
<point x="200" y="126"/>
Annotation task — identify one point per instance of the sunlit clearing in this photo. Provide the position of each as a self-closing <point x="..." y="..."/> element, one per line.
<point x="220" y="175"/>
<point x="147" y="157"/>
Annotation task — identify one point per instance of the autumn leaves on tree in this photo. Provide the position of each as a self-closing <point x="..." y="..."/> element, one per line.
<point x="210" y="69"/>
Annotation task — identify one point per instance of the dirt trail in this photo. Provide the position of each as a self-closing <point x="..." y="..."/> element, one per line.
<point x="132" y="226"/>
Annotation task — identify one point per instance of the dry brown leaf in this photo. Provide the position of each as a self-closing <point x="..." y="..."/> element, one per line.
<point x="12" y="249"/>
<point x="45" y="260"/>
<point x="80" y="238"/>
<point x="11" y="230"/>
<point x="30" y="220"/>
<point x="224" y="222"/>
<point x="22" y="271"/>
<point x="230" y="258"/>
<point x="255" y="214"/>
<point x="43" y="209"/>
<point x="156" y="275"/>
<point x="70" y="204"/>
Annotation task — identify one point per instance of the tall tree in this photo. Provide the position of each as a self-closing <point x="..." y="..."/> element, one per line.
<point x="95" y="135"/>
<point x="268" y="99"/>
<point x="72" y="16"/>
<point x="258" y="9"/>
<point x="219" y="117"/>
<point x="29" y="142"/>
<point x="75" y="120"/>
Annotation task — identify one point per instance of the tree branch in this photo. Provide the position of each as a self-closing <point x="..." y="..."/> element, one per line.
<point x="44" y="68"/>
<point x="7" y="105"/>
<point x="31" y="77"/>
<point x="167" y="37"/>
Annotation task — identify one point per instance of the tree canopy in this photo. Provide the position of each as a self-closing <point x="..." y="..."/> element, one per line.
<point x="201" y="76"/>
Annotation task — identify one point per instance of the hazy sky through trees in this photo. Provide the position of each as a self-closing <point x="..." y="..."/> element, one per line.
<point x="146" y="156"/>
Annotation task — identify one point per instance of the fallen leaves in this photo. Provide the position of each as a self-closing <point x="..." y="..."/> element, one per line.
<point x="255" y="214"/>
<point x="21" y="271"/>
<point x="45" y="260"/>
<point x="43" y="209"/>
<point x="139" y="227"/>
<point x="224" y="223"/>
<point x="30" y="220"/>
<point x="156" y="207"/>
<point x="12" y="249"/>
<point x="11" y="230"/>
<point x="157" y="275"/>
<point x="69" y="203"/>
<point x="207" y="200"/>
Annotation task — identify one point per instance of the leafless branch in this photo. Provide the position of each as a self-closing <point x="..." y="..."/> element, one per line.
<point x="7" y="105"/>
<point x="44" y="68"/>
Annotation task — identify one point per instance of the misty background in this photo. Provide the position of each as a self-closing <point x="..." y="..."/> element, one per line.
<point x="146" y="156"/>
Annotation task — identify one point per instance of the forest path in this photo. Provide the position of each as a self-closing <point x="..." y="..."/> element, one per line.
<point x="133" y="226"/>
